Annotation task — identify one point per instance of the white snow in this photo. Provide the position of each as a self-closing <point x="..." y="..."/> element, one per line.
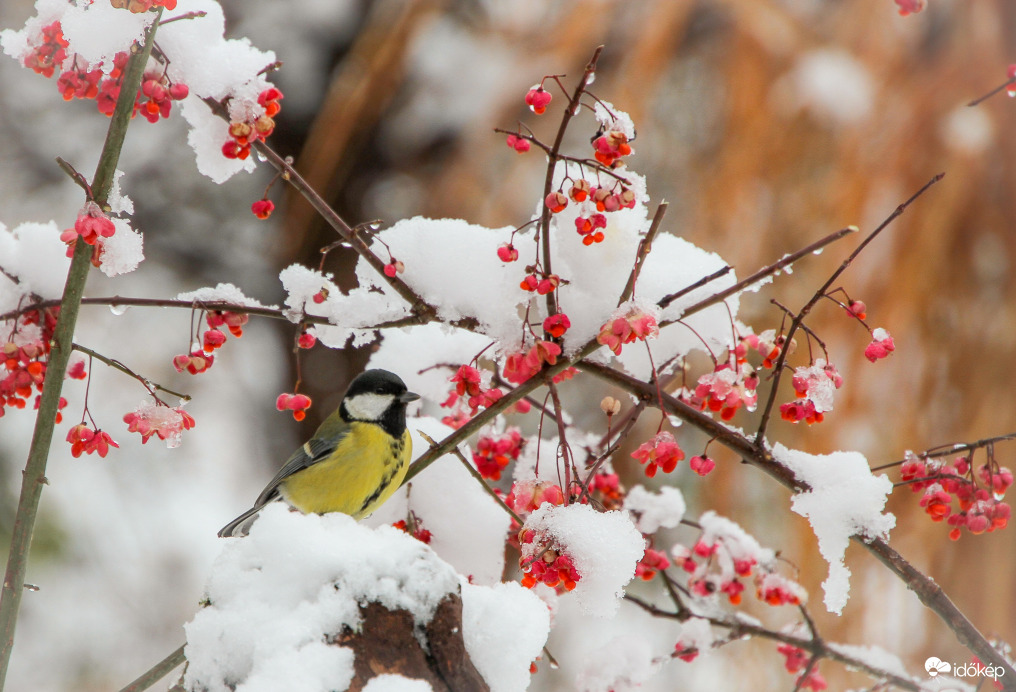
<point x="396" y="683"/>
<point x="604" y="546"/>
<point x="34" y="253"/>
<point x="845" y="499"/>
<point x="276" y="596"/>
<point x="505" y="629"/>
<point x="98" y="31"/>
<point x="123" y="251"/>
<point x="222" y="293"/>
<point x="622" y="664"/>
<point x="664" y="508"/>
<point x="874" y="656"/>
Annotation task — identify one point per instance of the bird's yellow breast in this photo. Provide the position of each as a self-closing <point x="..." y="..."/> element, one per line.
<point x="359" y="476"/>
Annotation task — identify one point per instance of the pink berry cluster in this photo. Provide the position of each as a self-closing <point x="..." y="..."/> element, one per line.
<point x="469" y="383"/>
<point x="77" y="81"/>
<point x="537" y="98"/>
<point x="521" y="365"/>
<point x="92" y="226"/>
<point x="797" y="660"/>
<point x="718" y="564"/>
<point x="632" y="323"/>
<point x="262" y="208"/>
<point x="813" y="386"/>
<point x="551" y="568"/>
<point x="557" y="324"/>
<point x="494" y="452"/>
<point x="595" y="203"/>
<point x="726" y="389"/>
<point x="545" y="562"/>
<point x="527" y="496"/>
<point x="607" y="490"/>
<point x="200" y="360"/>
<point x="295" y="402"/>
<point x="881" y="345"/>
<point x="85" y="440"/>
<point x="49" y="53"/>
<point x="159" y="420"/>
<point x="977" y="493"/>
<point x="610" y="147"/>
<point x="541" y="284"/>
<point x="661" y="452"/>
<point x="26" y="353"/>
<point x="907" y="7"/>
<point x="652" y="561"/>
<point x="159" y="93"/>
<point x="244" y="133"/>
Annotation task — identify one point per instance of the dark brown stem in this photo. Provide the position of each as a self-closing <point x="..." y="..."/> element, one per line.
<point x="645" y="246"/>
<point x="668" y="299"/>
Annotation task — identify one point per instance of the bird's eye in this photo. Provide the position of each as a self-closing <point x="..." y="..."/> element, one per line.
<point x="380" y="390"/>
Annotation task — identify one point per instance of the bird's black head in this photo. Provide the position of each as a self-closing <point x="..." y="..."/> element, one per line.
<point x="378" y="396"/>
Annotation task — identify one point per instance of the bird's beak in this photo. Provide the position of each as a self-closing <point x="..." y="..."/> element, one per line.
<point x="409" y="396"/>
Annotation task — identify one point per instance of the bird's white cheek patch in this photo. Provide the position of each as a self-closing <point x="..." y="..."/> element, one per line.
<point x="368" y="406"/>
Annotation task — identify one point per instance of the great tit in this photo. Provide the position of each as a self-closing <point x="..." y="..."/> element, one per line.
<point x="356" y="459"/>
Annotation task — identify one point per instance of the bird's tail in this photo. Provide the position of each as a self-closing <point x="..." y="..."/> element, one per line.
<point x="241" y="525"/>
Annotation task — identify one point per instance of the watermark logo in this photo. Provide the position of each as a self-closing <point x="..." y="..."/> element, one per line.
<point x="936" y="666"/>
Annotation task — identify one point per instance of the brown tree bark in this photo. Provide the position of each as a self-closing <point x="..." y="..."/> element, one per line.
<point x="385" y="644"/>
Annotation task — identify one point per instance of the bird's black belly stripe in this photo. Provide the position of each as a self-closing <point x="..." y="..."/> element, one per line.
<point x="386" y="480"/>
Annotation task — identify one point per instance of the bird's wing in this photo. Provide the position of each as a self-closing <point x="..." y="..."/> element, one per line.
<point x="318" y="448"/>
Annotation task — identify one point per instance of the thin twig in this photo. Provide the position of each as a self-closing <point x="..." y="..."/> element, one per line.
<point x="950" y="449"/>
<point x="991" y="93"/>
<point x="668" y="299"/>
<point x="156" y="672"/>
<point x="188" y="15"/>
<point x="116" y="364"/>
<point x="645" y="245"/>
<point x="763" y="273"/>
<point x="803" y="312"/>
<point x="477" y="477"/>
<point x="739" y="629"/>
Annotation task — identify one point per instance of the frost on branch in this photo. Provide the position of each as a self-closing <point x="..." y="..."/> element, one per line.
<point x="301" y="594"/>
<point x="845" y="499"/>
